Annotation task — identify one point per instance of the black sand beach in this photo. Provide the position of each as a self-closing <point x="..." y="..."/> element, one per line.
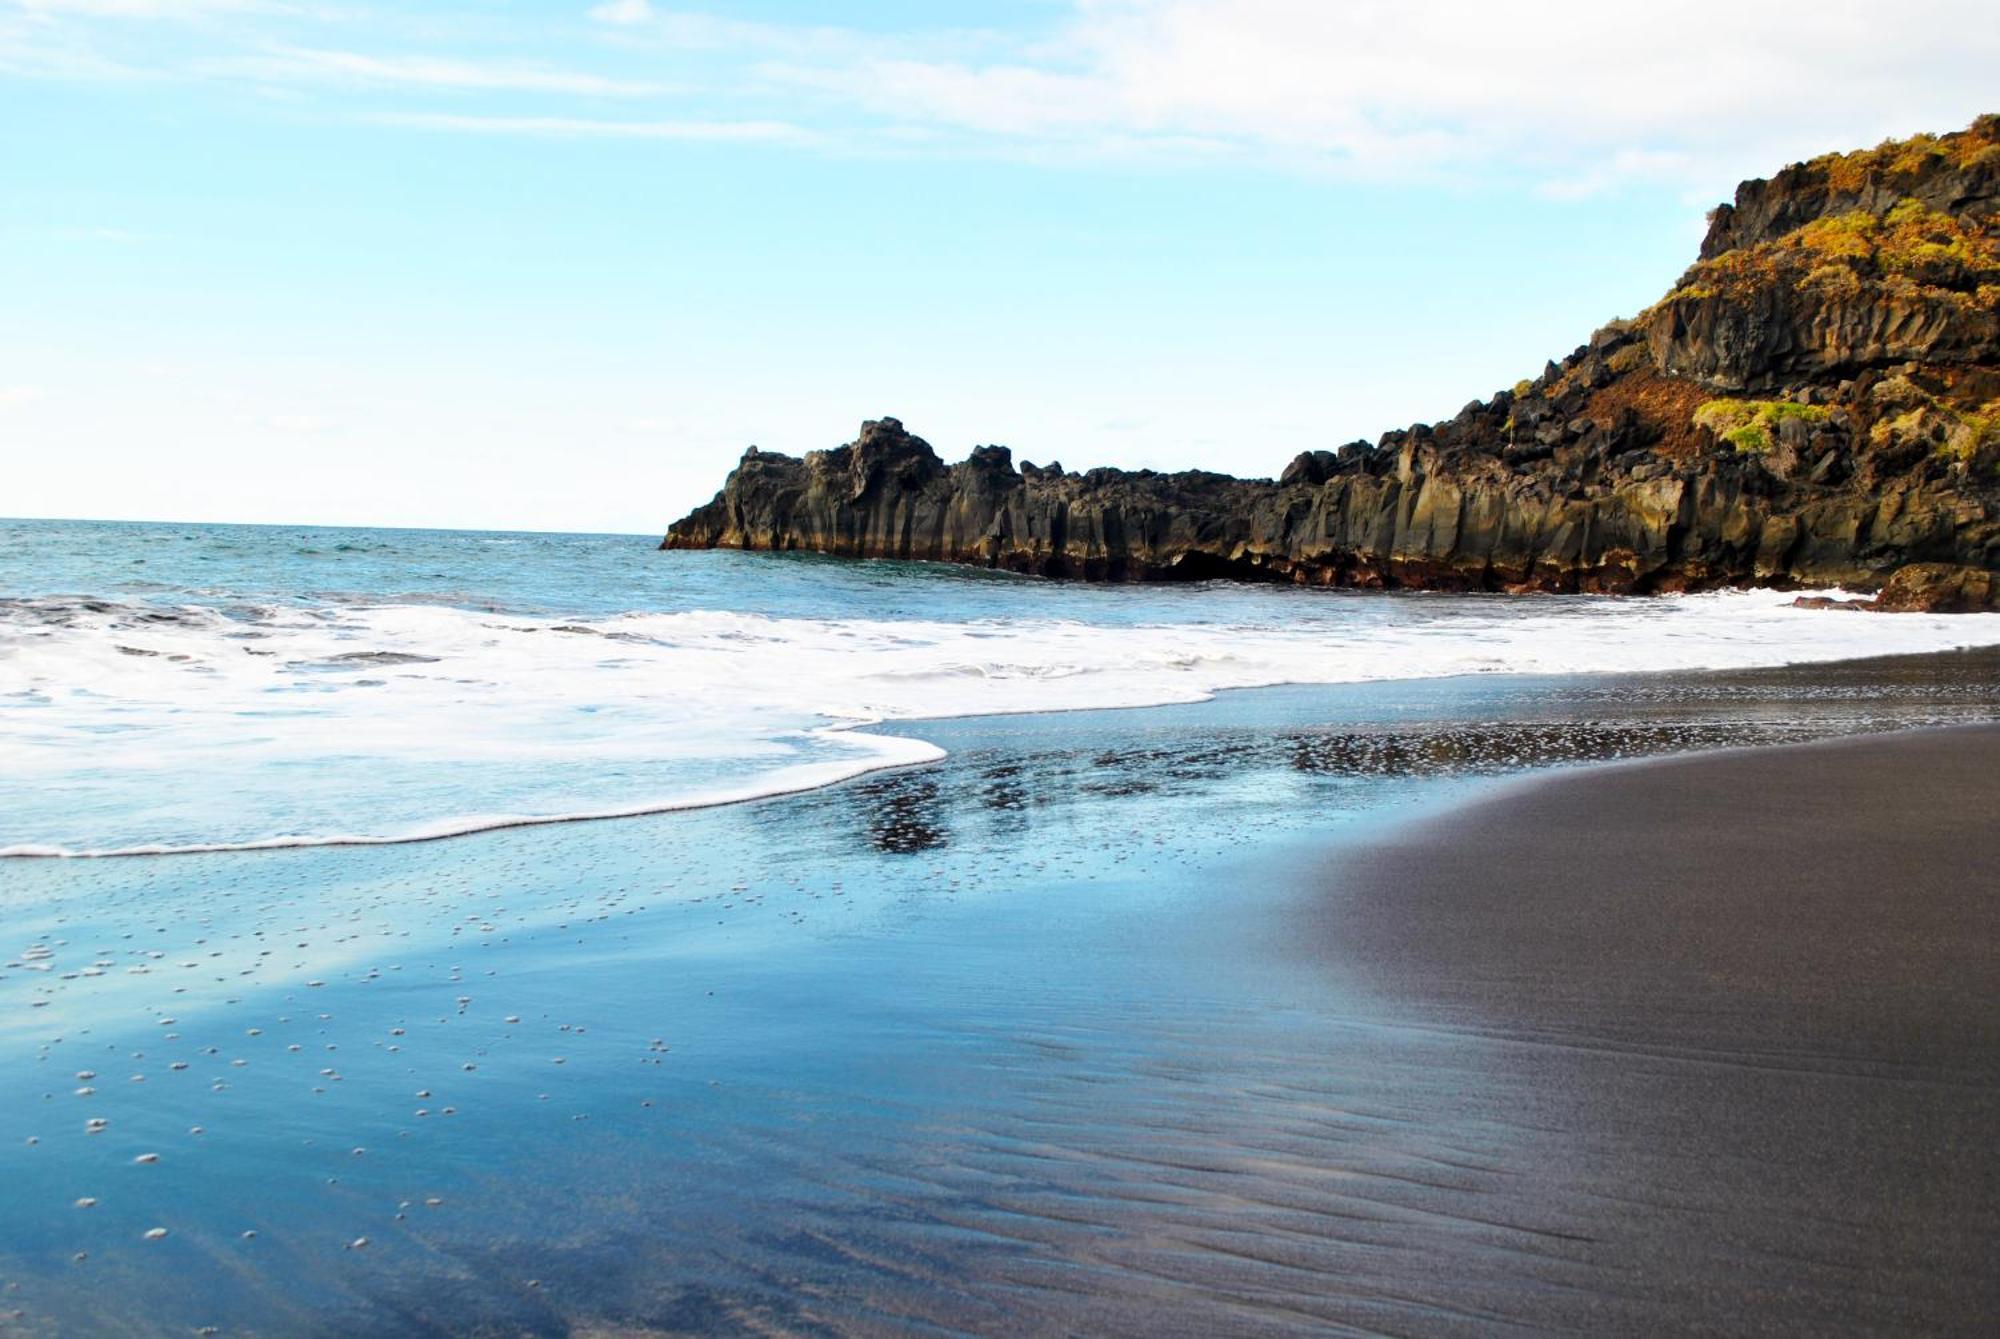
<point x="1748" y="1002"/>
<point x="1296" y="1012"/>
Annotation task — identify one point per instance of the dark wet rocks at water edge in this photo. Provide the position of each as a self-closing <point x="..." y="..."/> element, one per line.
<point x="1940" y="588"/>
<point x="1927" y="588"/>
<point x="1816" y="403"/>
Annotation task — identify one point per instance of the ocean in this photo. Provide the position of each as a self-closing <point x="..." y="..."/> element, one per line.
<point x="938" y="978"/>
<point x="189" y="687"/>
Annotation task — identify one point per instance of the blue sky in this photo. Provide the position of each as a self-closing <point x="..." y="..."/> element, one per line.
<point x="554" y="265"/>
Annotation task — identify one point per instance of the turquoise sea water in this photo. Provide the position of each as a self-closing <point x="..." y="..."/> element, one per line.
<point x="1009" y="1039"/>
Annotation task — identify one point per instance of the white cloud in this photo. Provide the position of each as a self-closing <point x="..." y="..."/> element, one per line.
<point x="1583" y="94"/>
<point x="140" y="9"/>
<point x="692" y="31"/>
<point x="577" y="127"/>
<point x="19" y="394"/>
<point x="96" y="233"/>
<point x="292" y="64"/>
<point x="622" y="12"/>
<point x="34" y="46"/>
<point x="1570" y="97"/>
<point x="299" y="423"/>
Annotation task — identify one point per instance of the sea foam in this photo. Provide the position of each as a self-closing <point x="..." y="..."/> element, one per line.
<point x="135" y="729"/>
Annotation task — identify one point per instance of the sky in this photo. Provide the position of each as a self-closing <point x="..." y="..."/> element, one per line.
<point x="554" y="265"/>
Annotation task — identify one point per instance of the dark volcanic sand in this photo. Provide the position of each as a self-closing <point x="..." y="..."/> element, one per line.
<point x="1749" y="1004"/>
<point x="1034" y="1042"/>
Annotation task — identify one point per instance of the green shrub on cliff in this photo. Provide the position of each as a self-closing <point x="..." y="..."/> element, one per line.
<point x="1912" y="245"/>
<point x="1955" y="431"/>
<point x="1833" y="280"/>
<point x="1977" y="431"/>
<point x="1909" y="248"/>
<point x="1628" y="359"/>
<point x="1849" y="236"/>
<point x="1899" y="160"/>
<point x="1752" y="425"/>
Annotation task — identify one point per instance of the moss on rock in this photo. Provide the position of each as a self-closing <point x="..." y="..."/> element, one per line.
<point x="1752" y="425"/>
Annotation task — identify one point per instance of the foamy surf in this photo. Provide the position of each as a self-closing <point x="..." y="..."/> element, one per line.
<point x="896" y="751"/>
<point x="218" y="723"/>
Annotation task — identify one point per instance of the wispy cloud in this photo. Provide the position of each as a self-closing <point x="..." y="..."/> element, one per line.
<point x="622" y="12"/>
<point x="144" y="9"/>
<point x="302" y="424"/>
<point x="1581" y="94"/>
<point x="305" y="64"/>
<point x="25" y="57"/>
<point x="13" y="395"/>
<point x="1571" y="97"/>
<point x="640" y="27"/>
<point x="578" y="127"/>
<point x="97" y="233"/>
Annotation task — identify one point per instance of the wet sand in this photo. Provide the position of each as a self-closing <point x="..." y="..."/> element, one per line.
<point x="1749" y="1005"/>
<point x="1029" y="1042"/>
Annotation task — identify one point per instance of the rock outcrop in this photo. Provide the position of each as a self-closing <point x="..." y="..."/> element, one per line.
<point x="1817" y="402"/>
<point x="1938" y="588"/>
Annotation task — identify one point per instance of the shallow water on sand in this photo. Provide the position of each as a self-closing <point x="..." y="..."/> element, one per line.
<point x="1010" y="1042"/>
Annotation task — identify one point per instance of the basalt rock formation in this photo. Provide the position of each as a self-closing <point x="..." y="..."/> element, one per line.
<point x="1817" y="402"/>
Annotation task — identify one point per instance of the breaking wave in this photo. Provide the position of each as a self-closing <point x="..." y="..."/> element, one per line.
<point x="146" y="728"/>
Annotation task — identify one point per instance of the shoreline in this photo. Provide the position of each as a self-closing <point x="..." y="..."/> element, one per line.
<point x="1748" y="997"/>
<point x="891" y="735"/>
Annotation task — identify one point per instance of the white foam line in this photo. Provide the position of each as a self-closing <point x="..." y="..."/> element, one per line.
<point x="917" y="671"/>
<point x="893" y="751"/>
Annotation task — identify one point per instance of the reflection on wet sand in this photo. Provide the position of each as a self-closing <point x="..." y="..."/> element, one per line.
<point x="1020" y="1042"/>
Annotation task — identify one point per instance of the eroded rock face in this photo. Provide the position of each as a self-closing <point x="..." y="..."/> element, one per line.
<point x="1783" y="335"/>
<point x="1856" y="297"/>
<point x="1420" y="515"/>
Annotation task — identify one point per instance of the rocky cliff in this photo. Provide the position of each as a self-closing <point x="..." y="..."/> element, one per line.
<point x="1816" y="402"/>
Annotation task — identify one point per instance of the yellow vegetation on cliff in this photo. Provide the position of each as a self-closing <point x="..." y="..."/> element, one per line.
<point x="1958" y="432"/>
<point x="1752" y="425"/>
<point x="1900" y="160"/>
<point x="1911" y="247"/>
